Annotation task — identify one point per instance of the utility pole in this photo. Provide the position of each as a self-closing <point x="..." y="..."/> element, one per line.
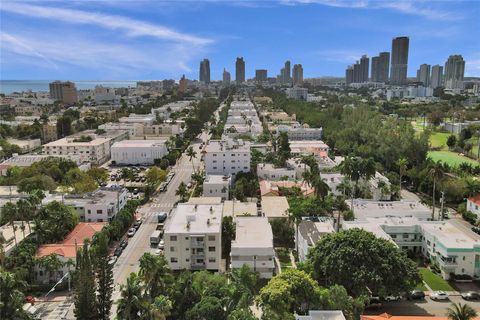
<point x="442" y="200"/>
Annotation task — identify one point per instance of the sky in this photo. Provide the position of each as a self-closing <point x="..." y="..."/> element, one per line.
<point x="133" y="40"/>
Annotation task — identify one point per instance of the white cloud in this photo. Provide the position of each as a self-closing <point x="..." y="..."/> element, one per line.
<point x="131" y="27"/>
<point x="404" y="6"/>
<point x="11" y="43"/>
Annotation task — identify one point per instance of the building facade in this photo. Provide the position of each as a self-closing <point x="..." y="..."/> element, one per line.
<point x="138" y="152"/>
<point x="240" y="70"/>
<point x="227" y="157"/>
<point x="454" y="72"/>
<point x="204" y="71"/>
<point x="64" y="91"/>
<point x="399" y="63"/>
<point x="436" y="79"/>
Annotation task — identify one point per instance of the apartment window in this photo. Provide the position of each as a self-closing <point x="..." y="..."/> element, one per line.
<point x="173" y="260"/>
<point x="233" y="168"/>
<point x="394" y="236"/>
<point x="89" y="211"/>
<point x="214" y="168"/>
<point x="211" y="238"/>
<point x="200" y="250"/>
<point x="99" y="211"/>
<point x="211" y="249"/>
<point x="186" y="238"/>
<point x="200" y="261"/>
<point x="173" y="238"/>
<point x="428" y="242"/>
<point x="405" y="236"/>
<point x="463" y="258"/>
<point x="211" y="260"/>
<point x="214" y="155"/>
<point x="214" y="161"/>
<point x="187" y="260"/>
<point x="187" y="249"/>
<point x="172" y="249"/>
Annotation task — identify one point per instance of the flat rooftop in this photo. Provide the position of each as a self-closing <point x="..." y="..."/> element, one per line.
<point x="195" y="218"/>
<point x="237" y="209"/>
<point x="364" y="209"/>
<point x="275" y="207"/>
<point x="217" y="179"/>
<point x="227" y="145"/>
<point x="449" y="235"/>
<point x="253" y="232"/>
<point x="138" y="143"/>
<point x="314" y="231"/>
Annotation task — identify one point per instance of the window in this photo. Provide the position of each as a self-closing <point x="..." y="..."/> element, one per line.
<point x="200" y="261"/>
<point x="99" y="211"/>
<point x="173" y="260"/>
<point x="186" y="238"/>
<point x="214" y="154"/>
<point x="394" y="236"/>
<point x="211" y="249"/>
<point x="89" y="211"/>
<point x="211" y="260"/>
<point x="463" y="258"/>
<point x="405" y="236"/>
<point x="173" y="238"/>
<point x="187" y="260"/>
<point x="428" y="242"/>
<point x="214" y="168"/>
<point x="172" y="249"/>
<point x="211" y="238"/>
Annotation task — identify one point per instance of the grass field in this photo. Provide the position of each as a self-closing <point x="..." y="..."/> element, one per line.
<point x="284" y="258"/>
<point x="439" y="140"/>
<point x="435" y="282"/>
<point x="451" y="158"/>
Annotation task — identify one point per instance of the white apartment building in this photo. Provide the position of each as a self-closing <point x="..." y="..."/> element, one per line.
<point x="253" y="246"/>
<point x="26" y="145"/>
<point x="165" y="111"/>
<point x="267" y="171"/>
<point x="473" y="205"/>
<point x="95" y="151"/>
<point x="104" y="94"/>
<point x="227" y="157"/>
<point x="101" y="205"/>
<point x="364" y="209"/>
<point x="217" y="186"/>
<point x="298" y="132"/>
<point x="297" y="93"/>
<point x="138" y="118"/>
<point x="138" y="152"/>
<point x="309" y="233"/>
<point x="193" y="237"/>
<point x="441" y="241"/>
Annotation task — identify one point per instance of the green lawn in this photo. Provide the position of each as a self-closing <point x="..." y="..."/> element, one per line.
<point x="435" y="282"/>
<point x="439" y="140"/>
<point x="451" y="158"/>
<point x="284" y="258"/>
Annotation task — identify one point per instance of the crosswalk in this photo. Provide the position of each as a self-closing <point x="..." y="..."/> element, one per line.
<point x="162" y="205"/>
<point x="61" y="311"/>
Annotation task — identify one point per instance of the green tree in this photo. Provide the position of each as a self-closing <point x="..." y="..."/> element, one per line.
<point x="104" y="275"/>
<point x="460" y="311"/>
<point x="155" y="175"/>
<point x="355" y="168"/>
<point x="284" y="151"/>
<point x="155" y="274"/>
<point x="435" y="173"/>
<point x="12" y="298"/>
<point x="10" y="213"/>
<point x="337" y="298"/>
<point x="54" y="221"/>
<point x="85" y="286"/>
<point x="160" y="308"/>
<point x="228" y="234"/>
<point x="358" y="260"/>
<point x="191" y="154"/>
<point x="288" y="292"/>
<point x="131" y="303"/>
<point x="243" y="281"/>
<point x="451" y="141"/>
<point x="208" y="308"/>
<point x="182" y="192"/>
<point x="99" y="175"/>
<point x="402" y="167"/>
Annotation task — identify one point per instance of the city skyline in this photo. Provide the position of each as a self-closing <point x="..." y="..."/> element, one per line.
<point x="124" y="41"/>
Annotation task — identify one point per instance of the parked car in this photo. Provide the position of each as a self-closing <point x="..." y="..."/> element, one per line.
<point x="374" y="303"/>
<point x="439" y="295"/>
<point x="124" y="243"/>
<point x="476" y="230"/>
<point x="161" y="244"/>
<point x="138" y="179"/>
<point x="162" y="216"/>
<point x="135" y="191"/>
<point x="158" y="252"/>
<point x="143" y="179"/>
<point x="118" y="251"/>
<point x="131" y="232"/>
<point x="393" y="298"/>
<point x="471" y="295"/>
<point x="416" y="295"/>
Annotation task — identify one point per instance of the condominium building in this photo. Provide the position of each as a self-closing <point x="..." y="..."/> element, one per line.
<point x="96" y="150"/>
<point x="193" y="237"/>
<point x="297" y="75"/>
<point x="297" y="93"/>
<point x="226" y="77"/>
<point x="379" y="209"/>
<point x="138" y="152"/>
<point x="309" y="233"/>
<point x="380" y="66"/>
<point x="217" y="186"/>
<point x="227" y="157"/>
<point x="423" y="74"/>
<point x="454" y="72"/>
<point x="63" y="91"/>
<point x="399" y="65"/>
<point x="204" y="73"/>
<point x="268" y="171"/>
<point x="300" y="132"/>
<point x="261" y="75"/>
<point x="101" y="205"/>
<point x="253" y="246"/>
<point x="436" y="79"/>
<point x="138" y="118"/>
<point x="240" y="70"/>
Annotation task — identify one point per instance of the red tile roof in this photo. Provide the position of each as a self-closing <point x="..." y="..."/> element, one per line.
<point x="66" y="248"/>
<point x="475" y="199"/>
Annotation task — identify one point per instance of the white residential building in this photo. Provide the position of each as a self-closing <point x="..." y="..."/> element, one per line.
<point x="253" y="246"/>
<point x="309" y="233"/>
<point x="101" y="205"/>
<point x="473" y="205"/>
<point x="364" y="209"/>
<point x="138" y="118"/>
<point x="165" y="111"/>
<point x="26" y="145"/>
<point x="267" y="171"/>
<point x="297" y="93"/>
<point x="95" y="151"/>
<point x="138" y="152"/>
<point x="217" y="186"/>
<point x="227" y="157"/>
<point x="193" y="237"/>
<point x="298" y="132"/>
<point x="322" y="315"/>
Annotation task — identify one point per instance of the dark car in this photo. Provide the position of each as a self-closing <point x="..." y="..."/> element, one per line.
<point x="476" y="230"/>
<point x="124" y="243"/>
<point x="162" y="216"/>
<point x="118" y="251"/>
<point x="374" y="303"/>
<point x="416" y="295"/>
<point x="471" y="295"/>
<point x="138" y="179"/>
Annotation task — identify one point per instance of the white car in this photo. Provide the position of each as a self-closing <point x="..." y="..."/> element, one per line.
<point x="161" y="244"/>
<point x="158" y="252"/>
<point x="131" y="232"/>
<point x="439" y="295"/>
<point x="393" y="298"/>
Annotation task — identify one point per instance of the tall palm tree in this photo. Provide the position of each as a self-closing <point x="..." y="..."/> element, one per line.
<point x="159" y="308"/>
<point x="402" y="166"/>
<point x="25" y="211"/>
<point x="460" y="311"/>
<point x="182" y="191"/>
<point x="244" y="282"/>
<point x="155" y="274"/>
<point x="472" y="186"/>
<point x="11" y="297"/>
<point x="131" y="302"/>
<point x="191" y="154"/>
<point x="10" y="211"/>
<point x="436" y="173"/>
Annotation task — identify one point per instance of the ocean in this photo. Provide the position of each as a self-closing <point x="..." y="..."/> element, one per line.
<point x="9" y="86"/>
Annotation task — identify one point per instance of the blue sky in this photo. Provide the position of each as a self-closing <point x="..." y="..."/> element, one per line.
<point x="120" y="40"/>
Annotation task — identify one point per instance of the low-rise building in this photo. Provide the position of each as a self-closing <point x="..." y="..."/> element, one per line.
<point x="27" y="160"/>
<point x="298" y="132"/>
<point x="236" y="208"/>
<point x="473" y="205"/>
<point x="49" y="132"/>
<point x="138" y="152"/>
<point x="305" y="147"/>
<point x="273" y="188"/>
<point x="101" y="205"/>
<point x="268" y="171"/>
<point x="297" y="93"/>
<point x="333" y="315"/>
<point x="217" y="186"/>
<point x="364" y="209"/>
<point x="227" y="157"/>
<point x="66" y="252"/>
<point x="193" y="237"/>
<point x="309" y="233"/>
<point x="253" y="246"/>
<point x="138" y="118"/>
<point x="26" y="145"/>
<point x="275" y="207"/>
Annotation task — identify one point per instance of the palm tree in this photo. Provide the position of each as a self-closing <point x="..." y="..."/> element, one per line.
<point x="191" y="154"/>
<point x="244" y="282"/>
<point x="182" y="191"/>
<point x="10" y="211"/>
<point x="155" y="274"/>
<point x="460" y="311"/>
<point x="402" y="166"/>
<point x="131" y="302"/>
<point x="11" y="297"/>
<point x="436" y="172"/>
<point x="472" y="187"/>
<point x="160" y="308"/>
<point x="25" y="212"/>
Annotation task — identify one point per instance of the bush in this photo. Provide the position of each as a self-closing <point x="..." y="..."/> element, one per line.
<point x="470" y="217"/>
